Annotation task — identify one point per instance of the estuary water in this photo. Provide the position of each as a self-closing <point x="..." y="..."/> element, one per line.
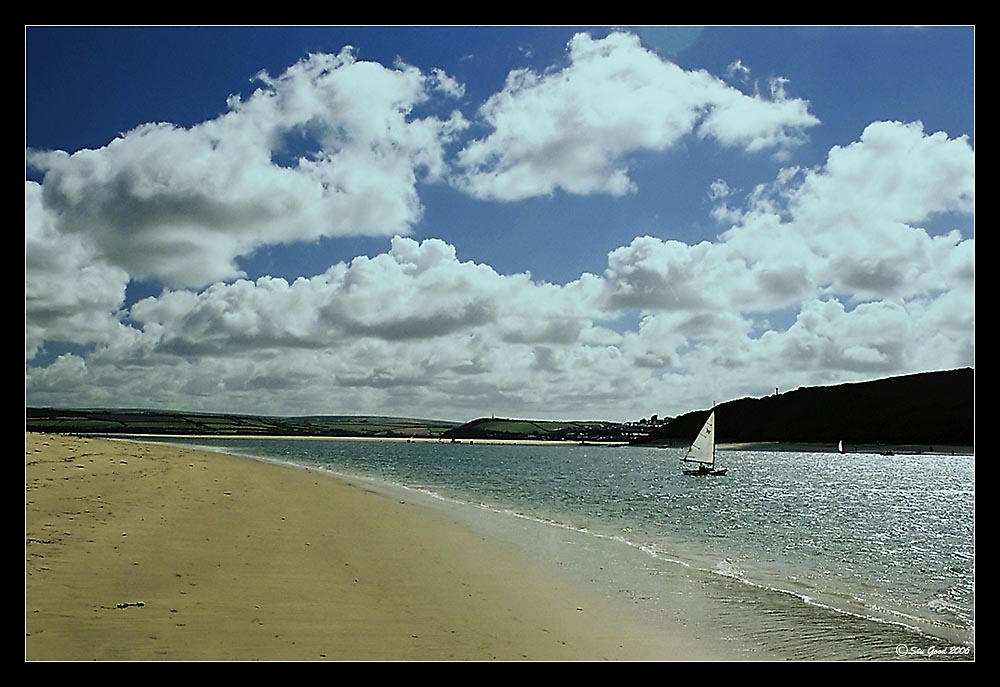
<point x="888" y="541"/>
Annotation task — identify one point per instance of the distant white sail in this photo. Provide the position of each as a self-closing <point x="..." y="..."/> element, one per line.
<point x="703" y="448"/>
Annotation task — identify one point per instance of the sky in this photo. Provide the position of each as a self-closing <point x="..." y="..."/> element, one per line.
<point x="551" y="222"/>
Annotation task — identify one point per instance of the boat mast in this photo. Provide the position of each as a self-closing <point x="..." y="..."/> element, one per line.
<point x="712" y="416"/>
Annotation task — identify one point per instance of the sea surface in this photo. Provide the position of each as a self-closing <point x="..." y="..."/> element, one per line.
<point x="870" y="556"/>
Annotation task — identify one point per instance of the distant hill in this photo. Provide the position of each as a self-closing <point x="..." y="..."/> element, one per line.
<point x="921" y="409"/>
<point x="933" y="408"/>
<point x="118" y="421"/>
<point x="538" y="430"/>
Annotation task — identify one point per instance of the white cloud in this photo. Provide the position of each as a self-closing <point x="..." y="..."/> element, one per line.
<point x="837" y="253"/>
<point x="873" y="337"/>
<point x="652" y="275"/>
<point x="862" y="212"/>
<point x="414" y="292"/>
<point x="573" y="129"/>
<point x="738" y="71"/>
<point x="894" y="173"/>
<point x="413" y="327"/>
<point x="417" y="328"/>
<point x="778" y="88"/>
<point x="875" y="294"/>
<point x="755" y="124"/>
<point x="70" y="295"/>
<point x="328" y="148"/>
<point x="447" y="84"/>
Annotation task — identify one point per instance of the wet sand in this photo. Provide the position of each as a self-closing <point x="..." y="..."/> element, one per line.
<point x="153" y="552"/>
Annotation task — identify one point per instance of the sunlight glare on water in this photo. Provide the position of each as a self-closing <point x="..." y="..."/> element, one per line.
<point x="892" y="534"/>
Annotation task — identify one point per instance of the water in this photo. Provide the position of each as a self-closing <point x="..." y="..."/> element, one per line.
<point x="889" y="539"/>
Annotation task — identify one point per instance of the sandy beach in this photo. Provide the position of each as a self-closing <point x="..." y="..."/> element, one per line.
<point x="150" y="552"/>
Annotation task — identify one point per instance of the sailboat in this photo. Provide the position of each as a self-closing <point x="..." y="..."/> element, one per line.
<point x="702" y="451"/>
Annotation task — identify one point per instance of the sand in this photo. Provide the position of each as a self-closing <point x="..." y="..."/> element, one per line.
<point x="151" y="552"/>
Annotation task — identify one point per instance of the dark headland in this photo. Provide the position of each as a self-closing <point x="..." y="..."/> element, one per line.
<point x="917" y="412"/>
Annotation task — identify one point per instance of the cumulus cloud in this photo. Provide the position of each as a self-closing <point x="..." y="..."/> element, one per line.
<point x="415" y="324"/>
<point x="573" y="129"/>
<point x="862" y="211"/>
<point x="328" y="148"/>
<point x="842" y="244"/>
<point x="416" y="291"/>
<point x="651" y="274"/>
<point x="70" y="294"/>
<point x="872" y="337"/>
<point x="416" y="327"/>
<point x="838" y="254"/>
<point x="895" y="172"/>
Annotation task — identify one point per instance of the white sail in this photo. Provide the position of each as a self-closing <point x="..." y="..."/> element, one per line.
<point x="703" y="448"/>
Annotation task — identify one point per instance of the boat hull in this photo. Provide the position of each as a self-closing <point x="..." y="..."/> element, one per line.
<point x="705" y="472"/>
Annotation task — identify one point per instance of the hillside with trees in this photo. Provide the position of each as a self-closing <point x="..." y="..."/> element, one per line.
<point x="932" y="408"/>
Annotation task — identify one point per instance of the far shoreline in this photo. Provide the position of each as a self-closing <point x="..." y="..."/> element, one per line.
<point x="302" y="437"/>
<point x="858" y="449"/>
<point x="884" y="450"/>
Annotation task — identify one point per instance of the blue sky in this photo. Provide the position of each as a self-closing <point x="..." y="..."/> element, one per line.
<point x="588" y="221"/>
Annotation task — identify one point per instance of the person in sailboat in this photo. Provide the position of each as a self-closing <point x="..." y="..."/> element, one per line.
<point x="702" y="451"/>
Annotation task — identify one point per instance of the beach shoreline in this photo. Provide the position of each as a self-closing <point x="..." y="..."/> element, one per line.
<point x="152" y="551"/>
<point x="138" y="551"/>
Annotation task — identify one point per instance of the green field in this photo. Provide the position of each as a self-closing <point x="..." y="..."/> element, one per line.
<point x="541" y="430"/>
<point x="117" y="421"/>
<point x="107" y="421"/>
